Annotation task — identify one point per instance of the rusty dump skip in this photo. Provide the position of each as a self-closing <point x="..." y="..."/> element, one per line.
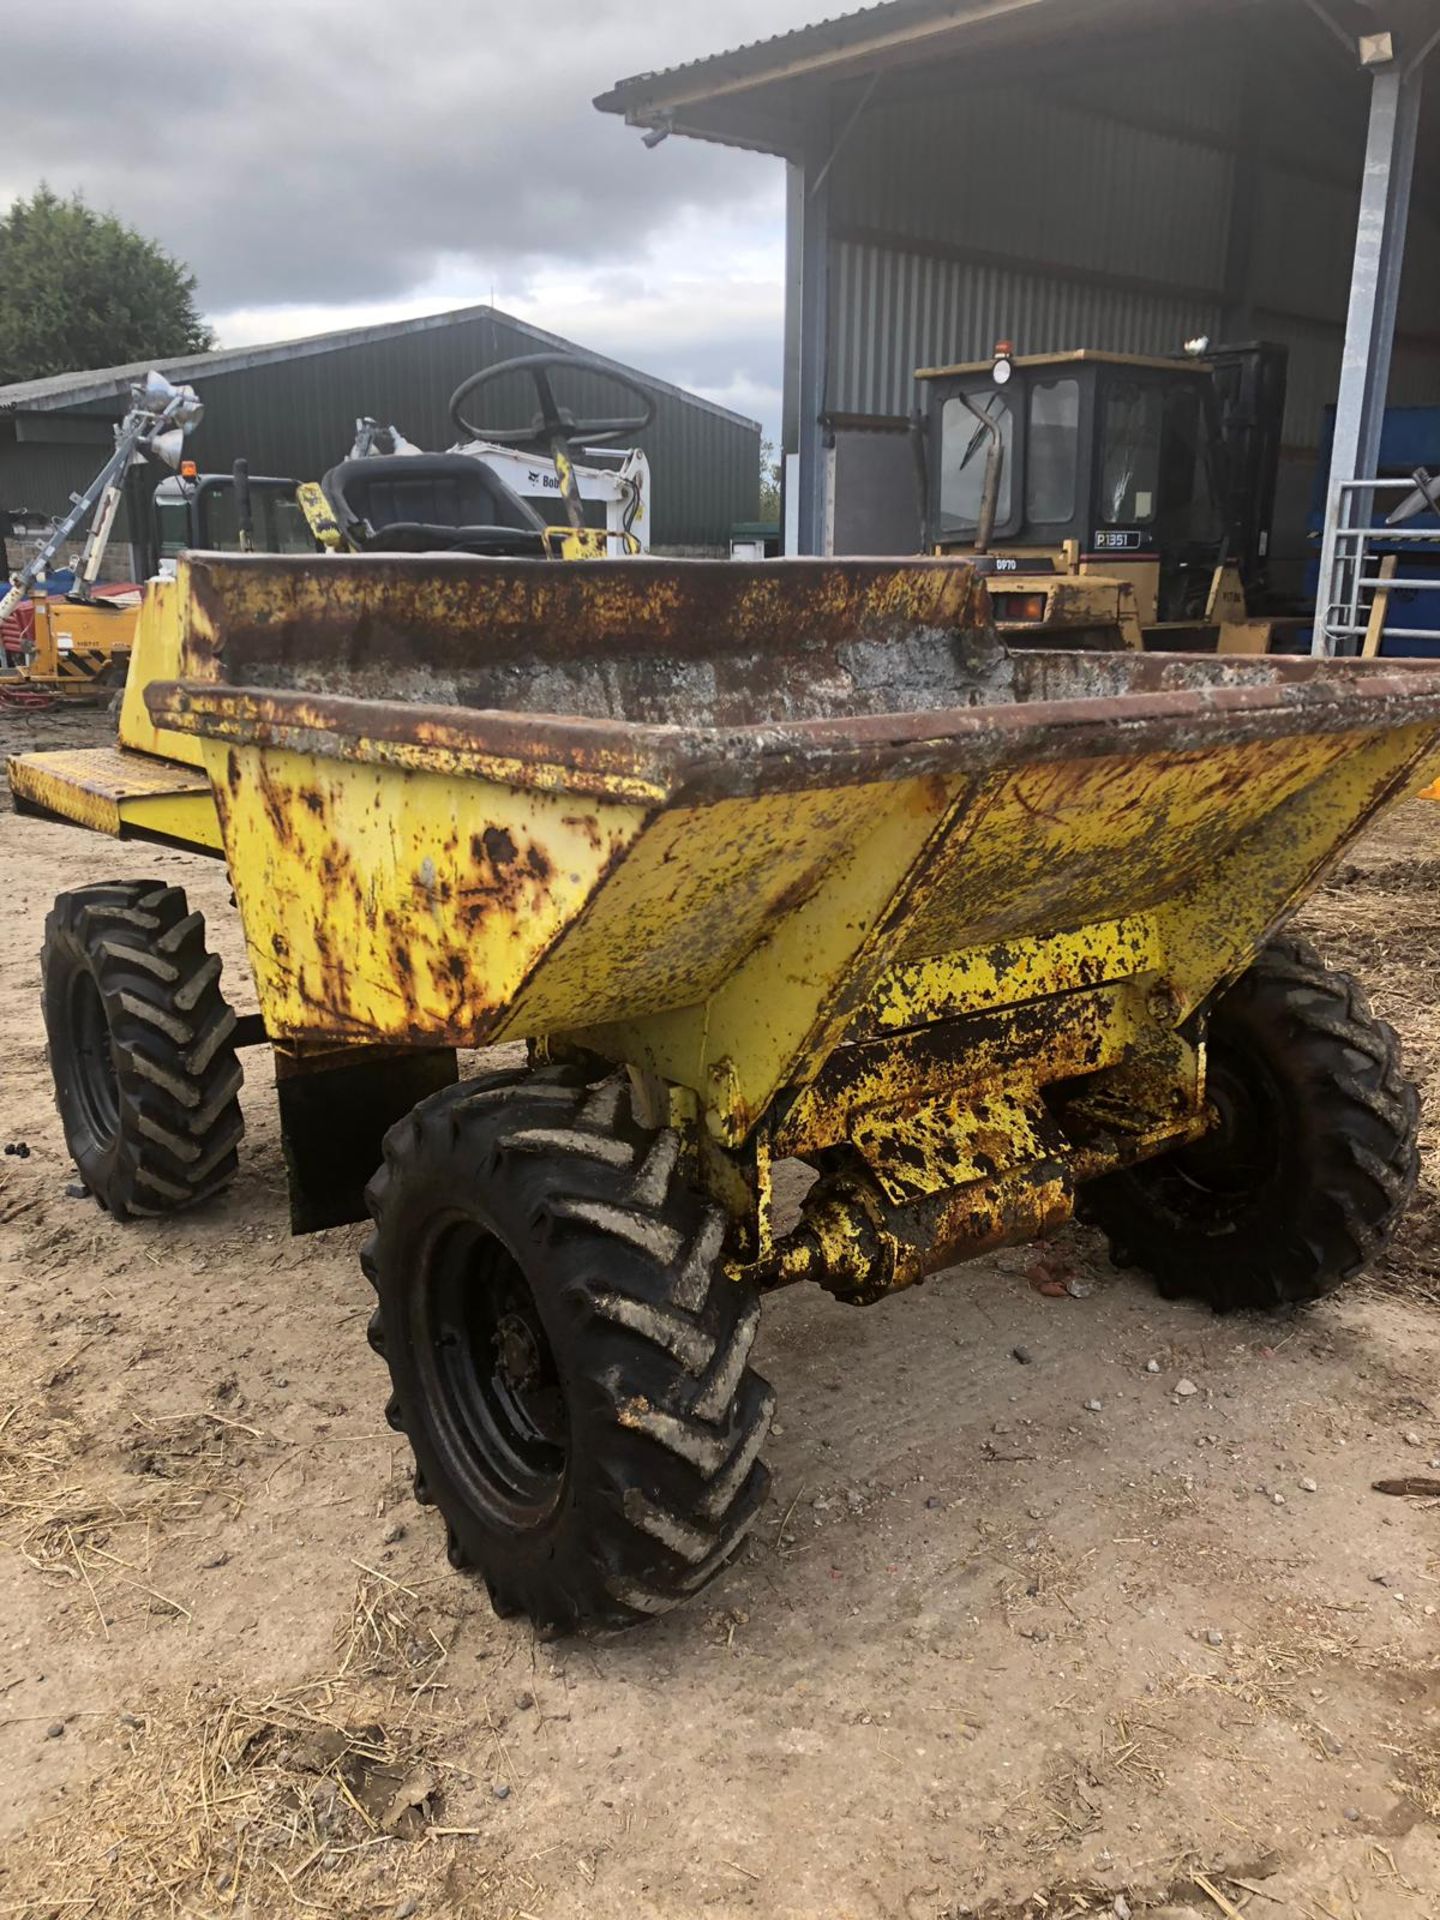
<point x="658" y="674"/>
<point x="713" y="817"/>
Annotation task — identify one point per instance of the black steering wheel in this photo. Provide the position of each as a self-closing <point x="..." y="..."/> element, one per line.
<point x="554" y="426"/>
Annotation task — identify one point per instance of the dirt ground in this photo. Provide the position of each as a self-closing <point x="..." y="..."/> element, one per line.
<point x="992" y="1650"/>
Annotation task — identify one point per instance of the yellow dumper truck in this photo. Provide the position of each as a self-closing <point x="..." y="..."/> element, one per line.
<point x="765" y="862"/>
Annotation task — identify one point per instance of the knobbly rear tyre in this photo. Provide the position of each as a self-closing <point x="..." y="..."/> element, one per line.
<point x="141" y="1047"/>
<point x="1312" y="1165"/>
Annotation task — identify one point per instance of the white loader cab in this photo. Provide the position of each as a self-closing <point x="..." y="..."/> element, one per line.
<point x="613" y="483"/>
<point x="614" y="486"/>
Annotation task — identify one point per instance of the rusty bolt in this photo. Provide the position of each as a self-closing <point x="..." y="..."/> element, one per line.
<point x="1164" y="1006"/>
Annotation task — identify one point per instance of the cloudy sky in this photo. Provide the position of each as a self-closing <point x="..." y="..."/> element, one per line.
<point x="352" y="161"/>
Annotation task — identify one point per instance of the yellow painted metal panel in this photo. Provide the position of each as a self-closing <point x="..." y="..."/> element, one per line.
<point x="1212" y="926"/>
<point x="388" y="906"/>
<point x="932" y="1146"/>
<point x="1220" y="842"/>
<point x="1030" y="1045"/>
<point x="1141" y="577"/>
<point x="1025" y="969"/>
<point x="775" y="1016"/>
<point x="189" y="818"/>
<point x="111" y="791"/>
<point x="699" y="894"/>
<point x="156" y="656"/>
<point x="1069" y="842"/>
<point x="439" y="742"/>
<point x="37" y="781"/>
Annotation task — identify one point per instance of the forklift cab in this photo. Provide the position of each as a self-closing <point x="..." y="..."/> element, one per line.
<point x="1141" y="470"/>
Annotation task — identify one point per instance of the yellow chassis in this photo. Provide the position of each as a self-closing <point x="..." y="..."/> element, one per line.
<point x="1106" y="600"/>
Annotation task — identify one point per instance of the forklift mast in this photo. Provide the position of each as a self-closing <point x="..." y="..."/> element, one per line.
<point x="1250" y="394"/>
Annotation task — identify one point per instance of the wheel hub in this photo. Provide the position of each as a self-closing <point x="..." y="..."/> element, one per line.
<point x="1237" y="1155"/>
<point x="96" y="1082"/>
<point x="496" y="1386"/>
<point x="517" y="1353"/>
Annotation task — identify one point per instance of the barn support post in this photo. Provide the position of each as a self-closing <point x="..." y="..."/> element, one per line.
<point x="814" y="343"/>
<point x="1370" y="330"/>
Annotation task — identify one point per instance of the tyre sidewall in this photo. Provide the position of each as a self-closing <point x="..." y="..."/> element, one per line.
<point x="107" y="1167"/>
<point x="1255" y="1028"/>
<point x="533" y="1560"/>
<point x="1244" y="1034"/>
<point x="175" y="1073"/>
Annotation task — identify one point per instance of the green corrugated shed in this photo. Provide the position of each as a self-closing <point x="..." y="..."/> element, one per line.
<point x="291" y="409"/>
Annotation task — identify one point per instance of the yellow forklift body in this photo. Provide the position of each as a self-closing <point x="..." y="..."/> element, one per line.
<point x="1064" y="594"/>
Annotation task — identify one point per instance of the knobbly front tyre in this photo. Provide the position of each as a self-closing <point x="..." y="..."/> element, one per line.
<point x="569" y="1357"/>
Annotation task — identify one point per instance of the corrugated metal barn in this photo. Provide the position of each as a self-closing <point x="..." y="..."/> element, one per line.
<point x="1114" y="174"/>
<point x="290" y="410"/>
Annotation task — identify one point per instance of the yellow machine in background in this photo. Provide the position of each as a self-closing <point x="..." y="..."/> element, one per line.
<point x="467" y="500"/>
<point x="1110" y="498"/>
<point x="151" y="783"/>
<point x="75" y="647"/>
<point x="80" y="643"/>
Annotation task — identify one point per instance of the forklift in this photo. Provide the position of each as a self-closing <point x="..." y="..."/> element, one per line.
<point x="1113" y="500"/>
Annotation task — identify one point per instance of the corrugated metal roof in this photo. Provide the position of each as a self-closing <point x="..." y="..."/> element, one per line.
<point x="855" y="30"/>
<point x="783" y="54"/>
<point x="64" y="390"/>
<point x="766" y="96"/>
<point x="760" y="54"/>
<point x="757" y="57"/>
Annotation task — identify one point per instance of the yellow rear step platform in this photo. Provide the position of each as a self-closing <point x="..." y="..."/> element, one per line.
<point x="124" y="794"/>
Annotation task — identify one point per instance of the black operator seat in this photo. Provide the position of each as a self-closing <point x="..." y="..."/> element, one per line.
<point x="432" y="503"/>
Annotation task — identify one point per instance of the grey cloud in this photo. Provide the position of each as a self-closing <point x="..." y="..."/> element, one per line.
<point x="745" y="347"/>
<point x="339" y="152"/>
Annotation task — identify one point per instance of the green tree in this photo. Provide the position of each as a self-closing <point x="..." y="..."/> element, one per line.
<point x="769" y="484"/>
<point x="80" y="289"/>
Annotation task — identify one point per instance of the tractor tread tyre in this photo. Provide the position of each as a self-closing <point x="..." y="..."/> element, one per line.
<point x="1346" y="1159"/>
<point x="650" y="1338"/>
<point x="141" y="1047"/>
